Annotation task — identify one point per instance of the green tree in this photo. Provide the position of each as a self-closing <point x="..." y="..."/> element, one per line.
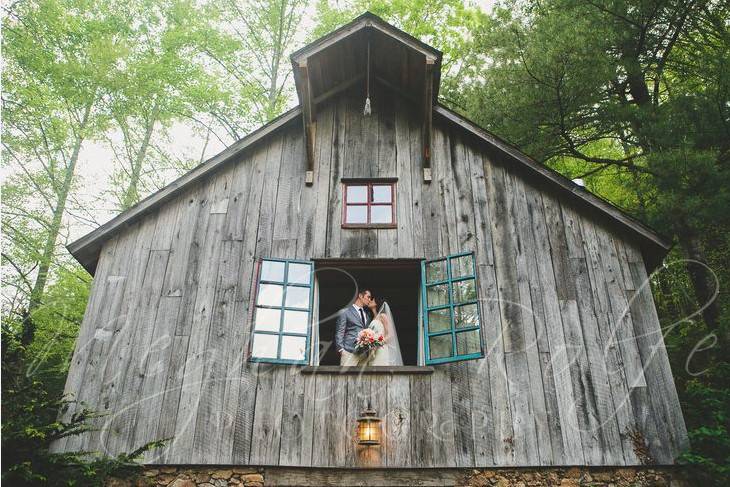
<point x="593" y="86"/>
<point x="255" y="64"/>
<point x="61" y="57"/>
<point x="165" y="82"/>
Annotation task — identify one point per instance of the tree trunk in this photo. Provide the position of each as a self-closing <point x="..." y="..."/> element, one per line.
<point x="704" y="281"/>
<point x="39" y="286"/>
<point x="131" y="194"/>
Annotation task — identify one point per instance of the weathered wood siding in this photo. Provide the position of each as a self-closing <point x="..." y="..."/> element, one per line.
<point x="575" y="373"/>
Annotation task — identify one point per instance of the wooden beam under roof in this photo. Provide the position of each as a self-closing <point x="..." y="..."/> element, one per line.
<point x="308" y="118"/>
<point x="427" y="119"/>
<point x="344" y="86"/>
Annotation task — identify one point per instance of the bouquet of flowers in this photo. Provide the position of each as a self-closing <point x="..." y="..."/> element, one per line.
<point x="368" y="341"/>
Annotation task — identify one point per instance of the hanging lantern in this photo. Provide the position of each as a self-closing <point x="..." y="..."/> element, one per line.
<point x="368" y="427"/>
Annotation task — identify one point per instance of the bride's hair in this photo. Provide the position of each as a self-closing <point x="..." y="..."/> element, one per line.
<point x="379" y="305"/>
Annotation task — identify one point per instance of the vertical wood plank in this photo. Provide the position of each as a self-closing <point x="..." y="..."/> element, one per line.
<point x="213" y="414"/>
<point x="334" y="213"/>
<point x="624" y="328"/>
<point x="181" y="243"/>
<point x="119" y="354"/>
<point x="504" y="453"/>
<point x="531" y="292"/>
<point x="240" y="448"/>
<point x="404" y="192"/>
<point x="614" y="363"/>
<point x="198" y="314"/>
<point x="242" y="185"/>
<point x="266" y="434"/>
<point x="158" y="365"/>
<point x="422" y="427"/>
<point x="563" y="226"/>
<point x="398" y="422"/>
<point x="258" y="419"/>
<point x="131" y="382"/>
<point x="559" y="395"/>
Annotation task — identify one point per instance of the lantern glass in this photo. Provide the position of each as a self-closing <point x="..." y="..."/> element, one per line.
<point x="368" y="430"/>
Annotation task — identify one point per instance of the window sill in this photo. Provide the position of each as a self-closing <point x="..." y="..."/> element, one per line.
<point x="378" y="369"/>
<point x="361" y="226"/>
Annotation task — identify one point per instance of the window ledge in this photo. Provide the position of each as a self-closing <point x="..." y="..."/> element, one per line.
<point x="376" y="369"/>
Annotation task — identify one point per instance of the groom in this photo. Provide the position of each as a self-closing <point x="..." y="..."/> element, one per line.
<point x="349" y="323"/>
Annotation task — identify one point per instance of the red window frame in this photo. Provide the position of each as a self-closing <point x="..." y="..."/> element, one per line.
<point x="369" y="203"/>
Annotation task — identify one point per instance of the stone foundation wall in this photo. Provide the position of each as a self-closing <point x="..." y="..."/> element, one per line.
<point x="499" y="477"/>
<point x="577" y="477"/>
<point x="193" y="477"/>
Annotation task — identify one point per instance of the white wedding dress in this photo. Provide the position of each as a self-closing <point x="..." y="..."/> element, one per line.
<point x="388" y="354"/>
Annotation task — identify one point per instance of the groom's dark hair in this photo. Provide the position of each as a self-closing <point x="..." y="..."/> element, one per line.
<point x="363" y="291"/>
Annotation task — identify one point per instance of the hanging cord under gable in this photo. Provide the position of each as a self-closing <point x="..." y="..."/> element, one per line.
<point x="367" y="111"/>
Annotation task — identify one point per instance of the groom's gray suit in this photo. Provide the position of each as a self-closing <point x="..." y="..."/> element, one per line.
<point x="348" y="325"/>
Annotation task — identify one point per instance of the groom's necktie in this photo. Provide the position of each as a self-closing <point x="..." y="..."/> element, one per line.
<point x="362" y="316"/>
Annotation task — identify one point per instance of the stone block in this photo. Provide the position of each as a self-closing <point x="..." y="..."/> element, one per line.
<point x="183" y="483"/>
<point x="222" y="474"/>
<point x="252" y="477"/>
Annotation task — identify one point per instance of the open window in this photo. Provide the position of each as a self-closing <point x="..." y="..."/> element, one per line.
<point x="395" y="280"/>
<point x="451" y="320"/>
<point x="434" y="303"/>
<point x="282" y="312"/>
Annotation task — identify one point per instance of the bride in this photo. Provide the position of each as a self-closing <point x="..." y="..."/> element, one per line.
<point x="388" y="354"/>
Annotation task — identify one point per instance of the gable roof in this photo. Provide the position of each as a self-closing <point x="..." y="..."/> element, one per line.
<point x="347" y="48"/>
<point x="87" y="248"/>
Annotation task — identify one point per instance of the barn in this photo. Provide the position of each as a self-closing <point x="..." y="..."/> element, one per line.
<point x="529" y="334"/>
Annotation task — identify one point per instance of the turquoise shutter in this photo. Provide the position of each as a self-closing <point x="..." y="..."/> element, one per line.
<point x="451" y="319"/>
<point x="281" y="327"/>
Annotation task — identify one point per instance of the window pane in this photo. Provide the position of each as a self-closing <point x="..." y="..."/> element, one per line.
<point x="356" y="214"/>
<point x="264" y="346"/>
<point x="439" y="346"/>
<point x="267" y="319"/>
<point x="293" y="348"/>
<point x="468" y="342"/>
<point x="437" y="295"/>
<point x="270" y="295"/>
<point x="462" y="266"/>
<point x="381" y="214"/>
<point x="295" y="321"/>
<point x="382" y="193"/>
<point x="357" y="194"/>
<point x="464" y="291"/>
<point x="466" y="316"/>
<point x="297" y="297"/>
<point x="272" y="271"/>
<point x="299" y="273"/>
<point x="439" y="320"/>
<point x="436" y="271"/>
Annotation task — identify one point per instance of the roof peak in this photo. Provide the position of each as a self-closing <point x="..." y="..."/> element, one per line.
<point x="365" y="20"/>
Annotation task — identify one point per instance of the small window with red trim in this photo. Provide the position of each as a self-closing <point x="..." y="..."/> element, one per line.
<point x="368" y="204"/>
